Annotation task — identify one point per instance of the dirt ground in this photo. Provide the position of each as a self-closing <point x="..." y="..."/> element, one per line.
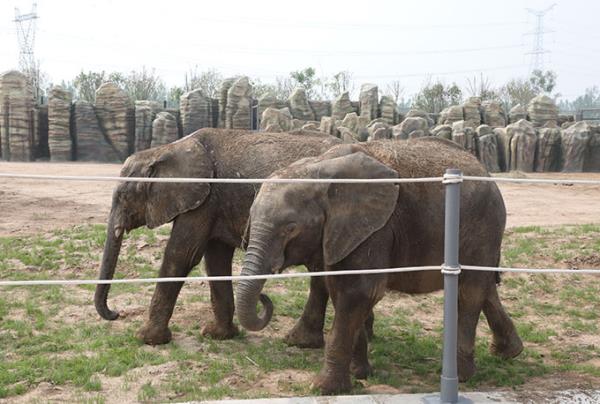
<point x="33" y="206"/>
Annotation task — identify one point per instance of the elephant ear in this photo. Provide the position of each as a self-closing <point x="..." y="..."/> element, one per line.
<point x="184" y="158"/>
<point x="354" y="211"/>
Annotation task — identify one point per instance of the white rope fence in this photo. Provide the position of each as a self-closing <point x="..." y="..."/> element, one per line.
<point x="446" y="179"/>
<point x="458" y="178"/>
<point x="47" y="282"/>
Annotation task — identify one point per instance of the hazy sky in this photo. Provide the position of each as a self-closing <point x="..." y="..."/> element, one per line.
<point x="378" y="41"/>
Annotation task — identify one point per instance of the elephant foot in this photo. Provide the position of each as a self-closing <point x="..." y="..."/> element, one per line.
<point x="329" y="384"/>
<point x="220" y="332"/>
<point x="303" y="337"/>
<point x="466" y="367"/>
<point x="508" y="348"/>
<point x="361" y="370"/>
<point x="154" y="336"/>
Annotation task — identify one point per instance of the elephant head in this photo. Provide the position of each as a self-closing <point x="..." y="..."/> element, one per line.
<point x="292" y="224"/>
<point x="136" y="204"/>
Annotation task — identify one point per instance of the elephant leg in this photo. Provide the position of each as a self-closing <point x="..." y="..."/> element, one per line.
<point x="184" y="251"/>
<point x="308" y="331"/>
<point x="369" y="326"/>
<point x="506" y="343"/>
<point x="353" y="299"/>
<point x="218" y="259"/>
<point x="471" y="296"/>
<point x="360" y="367"/>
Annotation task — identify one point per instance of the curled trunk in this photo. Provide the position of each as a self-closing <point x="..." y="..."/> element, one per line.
<point x="248" y="292"/>
<point x="112" y="247"/>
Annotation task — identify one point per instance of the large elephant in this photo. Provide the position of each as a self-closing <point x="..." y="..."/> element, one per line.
<point x="208" y="219"/>
<point x="362" y="226"/>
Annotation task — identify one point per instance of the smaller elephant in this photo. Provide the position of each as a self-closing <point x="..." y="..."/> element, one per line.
<point x="378" y="225"/>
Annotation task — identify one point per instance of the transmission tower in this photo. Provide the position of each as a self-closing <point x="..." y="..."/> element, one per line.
<point x="537" y="51"/>
<point x="25" y="25"/>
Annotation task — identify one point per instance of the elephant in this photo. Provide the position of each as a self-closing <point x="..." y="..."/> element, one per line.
<point x="208" y="219"/>
<point x="377" y="225"/>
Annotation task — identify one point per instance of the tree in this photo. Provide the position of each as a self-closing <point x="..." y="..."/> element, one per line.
<point x="86" y="84"/>
<point x="434" y="97"/>
<point x="516" y="91"/>
<point x="142" y="85"/>
<point x="208" y="81"/>
<point x="339" y="84"/>
<point x="395" y="90"/>
<point x="543" y="82"/>
<point x="481" y="88"/>
<point x="590" y="99"/>
<point x="307" y="79"/>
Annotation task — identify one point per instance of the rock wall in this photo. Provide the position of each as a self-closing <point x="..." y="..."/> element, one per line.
<point x="239" y="101"/>
<point x="196" y="111"/>
<point x="90" y="143"/>
<point x="17" y="118"/>
<point x="145" y="112"/>
<point x="116" y="116"/>
<point x="59" y="125"/>
<point x="164" y="129"/>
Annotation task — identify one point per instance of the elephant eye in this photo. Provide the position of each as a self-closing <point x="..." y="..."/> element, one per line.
<point x="290" y="227"/>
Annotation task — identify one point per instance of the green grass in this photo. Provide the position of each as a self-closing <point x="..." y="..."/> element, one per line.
<point x="40" y="345"/>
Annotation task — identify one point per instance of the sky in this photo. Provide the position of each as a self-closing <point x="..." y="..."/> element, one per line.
<point x="378" y="41"/>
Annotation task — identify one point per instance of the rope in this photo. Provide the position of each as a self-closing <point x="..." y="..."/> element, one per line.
<point x="534" y="270"/>
<point x="446" y="179"/>
<point x="532" y="180"/>
<point x="217" y="278"/>
<point x="452" y="271"/>
<point x="222" y="180"/>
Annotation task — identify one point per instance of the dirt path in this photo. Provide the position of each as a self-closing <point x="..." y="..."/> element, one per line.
<point x="32" y="206"/>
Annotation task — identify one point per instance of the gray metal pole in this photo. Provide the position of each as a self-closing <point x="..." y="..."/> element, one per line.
<point x="451" y="269"/>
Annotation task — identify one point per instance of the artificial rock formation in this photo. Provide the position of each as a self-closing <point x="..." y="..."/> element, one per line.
<point x="320" y="108"/>
<point x="487" y="143"/>
<point x="299" y="106"/>
<point x="342" y="106"/>
<point x="387" y="107"/>
<point x="574" y="145"/>
<point x="465" y="136"/>
<point x="91" y="144"/>
<point x="542" y="111"/>
<point x="17" y="131"/>
<point x="164" y="129"/>
<point x="196" y="111"/>
<point x="269" y="100"/>
<point x="417" y="113"/>
<point x="223" y="91"/>
<point x="523" y="144"/>
<point x="471" y="112"/>
<point x="493" y="115"/>
<point x="276" y="120"/>
<point x="60" y="142"/>
<point x="369" y="101"/>
<point x="517" y="113"/>
<point x="410" y="128"/>
<point x="328" y="125"/>
<point x="145" y="112"/>
<point x="442" y="131"/>
<point x="451" y="114"/>
<point x="239" y="101"/>
<point x="356" y="125"/>
<point x="548" y="150"/>
<point x="116" y="117"/>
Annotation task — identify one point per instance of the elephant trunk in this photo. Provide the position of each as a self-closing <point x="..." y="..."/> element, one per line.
<point x="112" y="247"/>
<point x="249" y="291"/>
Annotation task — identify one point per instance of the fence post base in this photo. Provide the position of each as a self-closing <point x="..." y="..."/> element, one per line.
<point x="437" y="399"/>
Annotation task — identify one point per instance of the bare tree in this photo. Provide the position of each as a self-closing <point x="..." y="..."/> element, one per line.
<point x="340" y="83"/>
<point x="395" y="89"/>
<point x="208" y="81"/>
<point x="481" y="88"/>
<point x="143" y="85"/>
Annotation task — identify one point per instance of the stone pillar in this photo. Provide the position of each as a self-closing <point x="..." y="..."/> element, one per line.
<point x="341" y="107"/>
<point x="369" y="101"/>
<point x="164" y="129"/>
<point x="196" y="111"/>
<point x="543" y="111"/>
<point x="60" y="140"/>
<point x="299" y="106"/>
<point x="223" y="91"/>
<point x="145" y="112"/>
<point x="116" y="118"/>
<point x="523" y="144"/>
<point x="90" y="142"/>
<point x="239" y="101"/>
<point x="387" y="106"/>
<point x="17" y="130"/>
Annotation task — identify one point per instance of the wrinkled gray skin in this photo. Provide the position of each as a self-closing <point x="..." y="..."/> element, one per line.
<point x="208" y="219"/>
<point x="361" y="226"/>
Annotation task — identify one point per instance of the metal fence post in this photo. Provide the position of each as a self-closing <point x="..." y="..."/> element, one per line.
<point x="451" y="270"/>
